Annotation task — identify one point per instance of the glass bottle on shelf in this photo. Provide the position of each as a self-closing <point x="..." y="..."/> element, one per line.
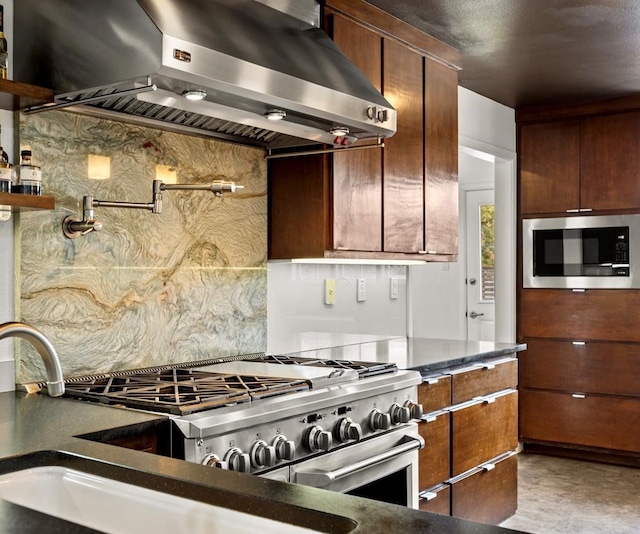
<point x="4" y="50"/>
<point x="29" y="176"/>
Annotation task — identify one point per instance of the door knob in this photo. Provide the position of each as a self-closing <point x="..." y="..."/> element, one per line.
<point x="473" y="315"/>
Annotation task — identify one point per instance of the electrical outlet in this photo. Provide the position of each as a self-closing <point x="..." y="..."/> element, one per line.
<point x="393" y="288"/>
<point x="330" y="291"/>
<point x="362" y="290"/>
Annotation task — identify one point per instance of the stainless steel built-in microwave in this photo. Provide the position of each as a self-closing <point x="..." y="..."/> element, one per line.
<point x="591" y="252"/>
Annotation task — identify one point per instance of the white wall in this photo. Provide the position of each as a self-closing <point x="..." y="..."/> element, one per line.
<point x="438" y="297"/>
<point x="295" y="302"/>
<point x="437" y="300"/>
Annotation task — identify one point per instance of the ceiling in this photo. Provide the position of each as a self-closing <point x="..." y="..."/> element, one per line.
<point x="530" y="52"/>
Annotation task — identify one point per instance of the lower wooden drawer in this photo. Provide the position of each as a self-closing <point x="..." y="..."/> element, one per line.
<point x="436" y="500"/>
<point x="585" y="366"/>
<point x="489" y="494"/>
<point x="483" y="430"/>
<point x="434" y="457"/>
<point x="435" y="393"/>
<point x="577" y="419"/>
<point x="483" y="378"/>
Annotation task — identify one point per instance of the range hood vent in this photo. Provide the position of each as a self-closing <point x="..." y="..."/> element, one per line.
<point x="135" y="60"/>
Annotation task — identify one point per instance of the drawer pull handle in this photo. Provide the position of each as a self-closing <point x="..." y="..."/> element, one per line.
<point x="428" y="418"/>
<point x="579" y="396"/>
<point x="579" y="290"/>
<point x="428" y="495"/>
<point x="488" y="467"/>
<point x="485" y="400"/>
<point x="488" y="366"/>
<point x="579" y="343"/>
<point x="430" y="381"/>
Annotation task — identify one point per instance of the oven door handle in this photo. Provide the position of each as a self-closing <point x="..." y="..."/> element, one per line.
<point x="318" y="478"/>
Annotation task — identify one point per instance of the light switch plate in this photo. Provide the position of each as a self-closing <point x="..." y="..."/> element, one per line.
<point x="362" y="290"/>
<point x="393" y="288"/>
<point x="330" y="291"/>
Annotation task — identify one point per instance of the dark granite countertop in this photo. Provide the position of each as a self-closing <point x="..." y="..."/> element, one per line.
<point x="43" y="425"/>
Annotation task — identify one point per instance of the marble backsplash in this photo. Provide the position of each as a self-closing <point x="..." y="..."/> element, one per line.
<point x="184" y="285"/>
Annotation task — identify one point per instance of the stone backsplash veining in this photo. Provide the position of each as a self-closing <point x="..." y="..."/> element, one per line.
<point x="184" y="285"/>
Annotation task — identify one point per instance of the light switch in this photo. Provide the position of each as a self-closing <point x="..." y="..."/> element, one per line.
<point x="362" y="290"/>
<point x="393" y="288"/>
<point x="330" y="291"/>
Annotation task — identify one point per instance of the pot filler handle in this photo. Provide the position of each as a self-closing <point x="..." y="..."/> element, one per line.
<point x="318" y="478"/>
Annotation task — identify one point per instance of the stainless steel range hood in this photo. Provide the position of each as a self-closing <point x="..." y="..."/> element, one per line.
<point x="135" y="59"/>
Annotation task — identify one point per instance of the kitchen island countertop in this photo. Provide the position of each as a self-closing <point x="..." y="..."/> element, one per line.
<point x="37" y="422"/>
<point x="422" y="354"/>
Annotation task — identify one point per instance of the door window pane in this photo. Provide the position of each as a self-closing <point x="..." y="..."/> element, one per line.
<point x="487" y="251"/>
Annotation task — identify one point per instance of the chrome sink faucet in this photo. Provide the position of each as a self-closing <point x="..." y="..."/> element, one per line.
<point x="55" y="380"/>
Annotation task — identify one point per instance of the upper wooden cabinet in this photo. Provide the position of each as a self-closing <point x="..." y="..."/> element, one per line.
<point x="610" y="162"/>
<point x="549" y="167"/>
<point x="357" y="175"/>
<point x="580" y="165"/>
<point x="396" y="202"/>
<point x="403" y="170"/>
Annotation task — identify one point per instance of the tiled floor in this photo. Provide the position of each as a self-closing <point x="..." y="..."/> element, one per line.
<point x="561" y="496"/>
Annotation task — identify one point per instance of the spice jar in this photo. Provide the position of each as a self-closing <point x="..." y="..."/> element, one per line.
<point x="29" y="176"/>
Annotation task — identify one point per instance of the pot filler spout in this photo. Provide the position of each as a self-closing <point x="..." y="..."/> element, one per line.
<point x="237" y="70"/>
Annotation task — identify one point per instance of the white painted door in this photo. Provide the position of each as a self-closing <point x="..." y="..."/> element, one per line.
<point x="480" y="265"/>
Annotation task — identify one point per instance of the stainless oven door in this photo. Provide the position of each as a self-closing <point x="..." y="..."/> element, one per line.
<point x="383" y="468"/>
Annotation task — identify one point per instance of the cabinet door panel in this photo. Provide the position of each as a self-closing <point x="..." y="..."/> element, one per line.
<point x="606" y="368"/>
<point x="599" y="314"/>
<point x="357" y="175"/>
<point x="593" y="421"/>
<point x="434" y="457"/>
<point x="298" y="207"/>
<point x="549" y="167"/>
<point x="610" y="162"/>
<point x="441" y="159"/>
<point x="483" y="431"/>
<point x="487" y="496"/>
<point x="403" y="190"/>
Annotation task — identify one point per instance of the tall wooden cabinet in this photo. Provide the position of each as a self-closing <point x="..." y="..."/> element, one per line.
<point x="396" y="202"/>
<point x="579" y="392"/>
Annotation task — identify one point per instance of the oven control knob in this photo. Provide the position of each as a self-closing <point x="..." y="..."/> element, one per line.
<point x="346" y="430"/>
<point x="379" y="420"/>
<point x="262" y="455"/>
<point x="316" y="439"/>
<point x="237" y="460"/>
<point x="285" y="449"/>
<point x="415" y="409"/>
<point x="399" y="414"/>
<point x="213" y="460"/>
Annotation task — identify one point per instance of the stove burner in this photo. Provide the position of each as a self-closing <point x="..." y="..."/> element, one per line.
<point x="180" y="391"/>
<point x="364" y="369"/>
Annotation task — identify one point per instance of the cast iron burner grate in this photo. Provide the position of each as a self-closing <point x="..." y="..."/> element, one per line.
<point x="364" y="369"/>
<point x="180" y="391"/>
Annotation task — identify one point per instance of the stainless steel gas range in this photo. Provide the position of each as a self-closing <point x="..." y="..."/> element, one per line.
<point x="340" y="425"/>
